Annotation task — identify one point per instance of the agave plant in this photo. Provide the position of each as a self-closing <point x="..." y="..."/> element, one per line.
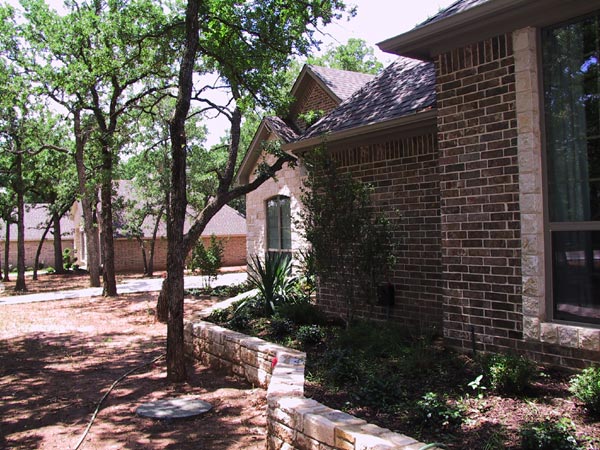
<point x="272" y="277"/>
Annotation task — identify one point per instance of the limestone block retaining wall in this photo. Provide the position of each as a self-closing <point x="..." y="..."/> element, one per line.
<point x="293" y="421"/>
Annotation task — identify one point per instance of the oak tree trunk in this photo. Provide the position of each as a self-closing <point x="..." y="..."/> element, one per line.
<point x="58" y="259"/>
<point x="87" y="205"/>
<point x="20" y="284"/>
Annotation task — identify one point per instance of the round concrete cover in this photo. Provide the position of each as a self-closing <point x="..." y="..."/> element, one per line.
<point x="174" y="408"/>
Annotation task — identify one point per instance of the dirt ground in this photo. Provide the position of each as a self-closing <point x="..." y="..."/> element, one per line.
<point x="57" y="359"/>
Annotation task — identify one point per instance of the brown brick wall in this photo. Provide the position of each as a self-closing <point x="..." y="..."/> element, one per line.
<point x="46" y="255"/>
<point x="480" y="205"/>
<point x="314" y="98"/>
<point x="481" y="248"/>
<point x="403" y="172"/>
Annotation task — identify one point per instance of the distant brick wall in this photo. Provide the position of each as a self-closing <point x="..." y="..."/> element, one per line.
<point x="128" y="254"/>
<point x="403" y="172"/>
<point x="46" y="255"/>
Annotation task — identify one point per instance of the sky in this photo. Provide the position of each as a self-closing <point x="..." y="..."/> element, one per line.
<point x="375" y="21"/>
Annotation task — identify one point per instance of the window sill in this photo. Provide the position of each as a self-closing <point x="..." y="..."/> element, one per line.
<point x="571" y="336"/>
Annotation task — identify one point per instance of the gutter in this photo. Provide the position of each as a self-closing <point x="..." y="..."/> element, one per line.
<point x="412" y="121"/>
<point x="480" y="22"/>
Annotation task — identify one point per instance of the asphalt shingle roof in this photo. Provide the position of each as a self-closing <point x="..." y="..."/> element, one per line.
<point x="282" y="129"/>
<point x="36" y="218"/>
<point x="342" y="83"/>
<point x="405" y="87"/>
<point x="455" y="8"/>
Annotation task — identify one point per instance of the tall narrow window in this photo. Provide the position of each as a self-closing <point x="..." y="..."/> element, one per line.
<point x="279" y="229"/>
<point x="571" y="71"/>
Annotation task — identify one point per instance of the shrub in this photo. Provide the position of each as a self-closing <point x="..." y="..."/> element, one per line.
<point x="209" y="260"/>
<point x="549" y="435"/>
<point x="68" y="258"/>
<point x="309" y="335"/>
<point x="280" y="327"/>
<point x="302" y="313"/>
<point x="586" y="388"/>
<point x="510" y="374"/>
<point x="437" y="412"/>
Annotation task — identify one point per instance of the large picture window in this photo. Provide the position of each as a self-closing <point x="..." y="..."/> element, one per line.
<point x="279" y="230"/>
<point x="571" y="75"/>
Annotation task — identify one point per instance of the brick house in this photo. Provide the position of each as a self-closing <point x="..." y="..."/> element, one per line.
<point x="272" y="209"/>
<point x="36" y="219"/>
<point x="481" y="141"/>
<point x="227" y="225"/>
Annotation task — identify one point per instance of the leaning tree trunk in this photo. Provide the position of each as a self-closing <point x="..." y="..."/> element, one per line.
<point x="90" y="230"/>
<point x="58" y="257"/>
<point x="6" y="276"/>
<point x="36" y="262"/>
<point x="20" y="284"/>
<point x="150" y="268"/>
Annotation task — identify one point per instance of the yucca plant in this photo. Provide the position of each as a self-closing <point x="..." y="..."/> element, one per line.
<point x="272" y="277"/>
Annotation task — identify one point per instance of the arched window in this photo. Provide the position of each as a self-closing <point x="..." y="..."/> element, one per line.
<point x="279" y="229"/>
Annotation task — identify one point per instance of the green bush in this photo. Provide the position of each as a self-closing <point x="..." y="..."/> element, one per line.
<point x="586" y="388"/>
<point x="280" y="327"/>
<point x="438" y="412"/>
<point x="302" y="313"/>
<point x="310" y="335"/>
<point x="510" y="374"/>
<point x="209" y="260"/>
<point x="549" y="435"/>
<point x="68" y="258"/>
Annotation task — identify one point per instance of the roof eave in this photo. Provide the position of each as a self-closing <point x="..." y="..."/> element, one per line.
<point x="415" y="120"/>
<point x="482" y="21"/>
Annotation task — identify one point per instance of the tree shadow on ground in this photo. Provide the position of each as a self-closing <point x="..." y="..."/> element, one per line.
<point x="50" y="384"/>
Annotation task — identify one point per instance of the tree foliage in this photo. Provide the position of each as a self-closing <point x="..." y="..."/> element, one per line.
<point x="350" y="241"/>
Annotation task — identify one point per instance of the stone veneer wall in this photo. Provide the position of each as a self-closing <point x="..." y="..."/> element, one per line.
<point x="403" y="170"/>
<point x="288" y="182"/>
<point x="492" y="204"/>
<point x="293" y="421"/>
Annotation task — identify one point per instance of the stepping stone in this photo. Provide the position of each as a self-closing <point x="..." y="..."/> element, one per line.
<point x="174" y="408"/>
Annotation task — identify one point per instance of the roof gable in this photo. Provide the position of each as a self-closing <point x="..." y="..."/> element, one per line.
<point x="405" y="87"/>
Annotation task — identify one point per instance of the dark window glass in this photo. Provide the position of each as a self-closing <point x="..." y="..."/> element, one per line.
<point x="279" y="228"/>
<point x="576" y="259"/>
<point x="572" y="101"/>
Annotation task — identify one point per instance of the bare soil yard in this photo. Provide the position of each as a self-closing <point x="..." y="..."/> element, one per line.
<point x="57" y="359"/>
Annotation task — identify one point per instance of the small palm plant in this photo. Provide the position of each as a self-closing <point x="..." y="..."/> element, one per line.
<point x="272" y="277"/>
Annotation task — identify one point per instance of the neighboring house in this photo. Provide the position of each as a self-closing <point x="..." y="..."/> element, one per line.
<point x="227" y="225"/>
<point x="272" y="209"/>
<point x="36" y="219"/>
<point x="486" y="146"/>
